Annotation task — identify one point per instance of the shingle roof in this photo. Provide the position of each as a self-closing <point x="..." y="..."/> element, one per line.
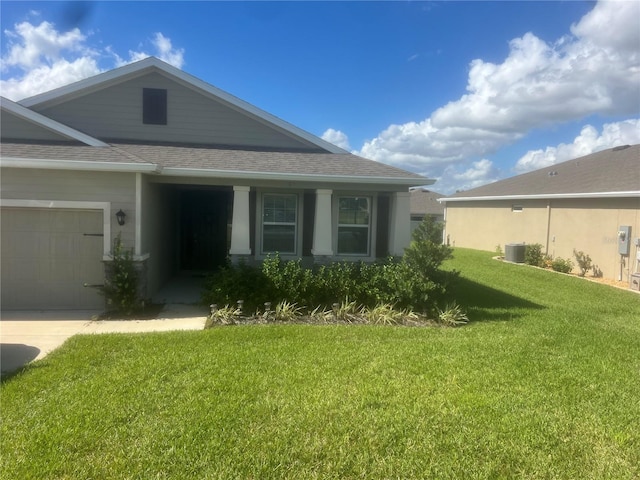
<point x="264" y="161"/>
<point x="200" y="158"/>
<point x="65" y="151"/>
<point x="608" y="171"/>
<point x="425" y="202"/>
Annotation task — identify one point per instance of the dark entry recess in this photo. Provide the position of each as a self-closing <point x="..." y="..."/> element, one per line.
<point x="204" y="219"/>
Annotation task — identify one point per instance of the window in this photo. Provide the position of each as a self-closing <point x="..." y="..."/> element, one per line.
<point x="354" y="217"/>
<point x="279" y="223"/>
<point x="154" y="106"/>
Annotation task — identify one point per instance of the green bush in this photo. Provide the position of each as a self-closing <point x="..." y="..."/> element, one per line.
<point x="562" y="265"/>
<point x="121" y="283"/>
<point x="533" y="255"/>
<point x="238" y="282"/>
<point x="416" y="281"/>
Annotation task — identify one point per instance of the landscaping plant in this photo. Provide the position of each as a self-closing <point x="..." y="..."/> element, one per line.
<point x="562" y="265"/>
<point x="584" y="262"/>
<point x="533" y="254"/>
<point x="121" y="283"/>
<point x="416" y="281"/>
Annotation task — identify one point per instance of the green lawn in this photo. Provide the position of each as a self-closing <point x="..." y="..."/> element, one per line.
<point x="543" y="383"/>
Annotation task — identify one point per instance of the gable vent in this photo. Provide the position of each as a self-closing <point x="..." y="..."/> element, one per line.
<point x="620" y="147"/>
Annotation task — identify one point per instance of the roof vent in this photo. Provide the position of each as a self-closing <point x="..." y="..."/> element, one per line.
<point x="620" y="147"/>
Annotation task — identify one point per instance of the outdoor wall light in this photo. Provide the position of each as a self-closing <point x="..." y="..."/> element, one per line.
<point x="120" y="216"/>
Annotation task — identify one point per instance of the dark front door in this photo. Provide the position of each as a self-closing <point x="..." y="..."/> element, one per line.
<point x="204" y="216"/>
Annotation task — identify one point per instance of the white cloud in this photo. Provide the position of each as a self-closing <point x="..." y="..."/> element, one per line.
<point x="31" y="46"/>
<point x="40" y="58"/>
<point x="613" y="134"/>
<point x="164" y="50"/>
<point x="454" y="177"/>
<point x="336" y="137"/>
<point x="594" y="71"/>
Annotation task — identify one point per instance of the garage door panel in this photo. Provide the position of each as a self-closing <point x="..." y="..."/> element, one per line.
<point x="47" y="259"/>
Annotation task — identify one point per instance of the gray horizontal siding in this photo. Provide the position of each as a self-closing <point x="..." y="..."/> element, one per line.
<point x="38" y="184"/>
<point x="19" y="129"/>
<point x="116" y="113"/>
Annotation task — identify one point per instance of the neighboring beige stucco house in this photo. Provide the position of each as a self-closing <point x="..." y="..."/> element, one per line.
<point x="200" y="175"/>
<point x="579" y="204"/>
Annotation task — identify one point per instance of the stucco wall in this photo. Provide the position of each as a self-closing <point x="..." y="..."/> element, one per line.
<point x="590" y="225"/>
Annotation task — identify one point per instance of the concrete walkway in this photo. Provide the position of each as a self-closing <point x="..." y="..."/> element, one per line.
<point x="26" y="336"/>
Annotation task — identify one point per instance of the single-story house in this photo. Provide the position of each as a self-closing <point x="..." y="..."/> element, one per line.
<point x="186" y="175"/>
<point x="424" y="202"/>
<point x="591" y="204"/>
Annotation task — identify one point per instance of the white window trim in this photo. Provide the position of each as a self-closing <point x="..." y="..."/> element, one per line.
<point x="260" y="253"/>
<point x="373" y="212"/>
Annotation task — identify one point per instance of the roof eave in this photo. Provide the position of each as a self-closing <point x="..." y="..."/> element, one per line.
<point x="298" y="177"/>
<point x="623" y="194"/>
<point x="17" y="162"/>
<point x="86" y="165"/>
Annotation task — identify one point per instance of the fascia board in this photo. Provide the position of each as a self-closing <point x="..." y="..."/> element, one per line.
<point x="16" y="162"/>
<point x="625" y="194"/>
<point x="104" y="78"/>
<point x="151" y="62"/>
<point x="50" y="124"/>
<point x="298" y="177"/>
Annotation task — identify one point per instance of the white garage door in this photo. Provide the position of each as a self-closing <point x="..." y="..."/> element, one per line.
<point x="47" y="257"/>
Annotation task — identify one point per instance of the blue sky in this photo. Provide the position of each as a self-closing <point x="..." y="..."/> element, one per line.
<point x="463" y="92"/>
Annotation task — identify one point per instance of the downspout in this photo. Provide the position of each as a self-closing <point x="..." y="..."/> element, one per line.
<point x="548" y="226"/>
<point x="138" y="217"/>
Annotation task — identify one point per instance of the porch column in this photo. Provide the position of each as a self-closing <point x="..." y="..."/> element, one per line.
<point x="240" y="228"/>
<point x="399" y="224"/>
<point x="322" y="225"/>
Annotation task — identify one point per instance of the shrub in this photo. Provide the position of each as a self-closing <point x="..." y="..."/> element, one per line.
<point x="416" y="281"/>
<point x="562" y="265"/>
<point x="238" y="282"/>
<point x="533" y="255"/>
<point x="121" y="283"/>
<point x="584" y="262"/>
<point x="223" y="316"/>
<point x="287" y="312"/>
<point x="452" y="315"/>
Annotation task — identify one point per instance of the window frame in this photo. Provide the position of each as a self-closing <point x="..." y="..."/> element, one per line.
<point x="296" y="224"/>
<point x="370" y="226"/>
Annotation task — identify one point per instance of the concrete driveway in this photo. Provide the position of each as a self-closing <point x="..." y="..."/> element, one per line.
<point x="26" y="336"/>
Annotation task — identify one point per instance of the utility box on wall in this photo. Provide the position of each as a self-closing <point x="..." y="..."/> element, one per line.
<point x="624" y="239"/>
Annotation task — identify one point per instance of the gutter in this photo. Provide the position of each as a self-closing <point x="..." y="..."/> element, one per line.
<point x="626" y="194"/>
<point x="16" y="162"/>
<point x="299" y="177"/>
